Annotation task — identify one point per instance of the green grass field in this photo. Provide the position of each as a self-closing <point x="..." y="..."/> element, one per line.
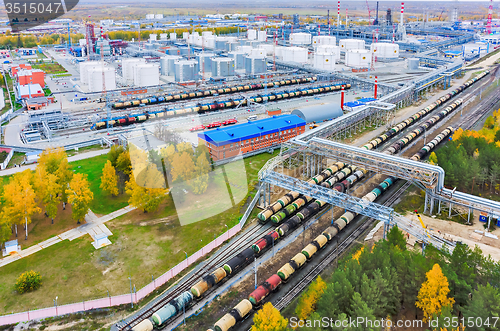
<point x="50" y="68"/>
<point x="143" y="245"/>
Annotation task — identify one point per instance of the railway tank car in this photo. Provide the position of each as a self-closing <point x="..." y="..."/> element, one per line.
<point x="208" y="282"/>
<point x="432" y="144"/>
<point x="261" y="292"/>
<point x="237" y="314"/>
<point x="239" y="261"/>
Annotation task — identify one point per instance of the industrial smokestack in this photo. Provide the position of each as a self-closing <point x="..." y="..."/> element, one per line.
<point x="338" y="14"/>
<point x="388" y="17"/>
<point x="401" y="20"/>
<point x="376" y="17"/>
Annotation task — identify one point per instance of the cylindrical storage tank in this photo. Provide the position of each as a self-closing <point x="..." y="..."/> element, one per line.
<point x="413" y="63"/>
<point x="257" y="52"/>
<point x="295" y="54"/>
<point x="167" y="67"/>
<point x="145" y="325"/>
<point x="205" y="59"/>
<point x="324" y="61"/>
<point x="95" y="79"/>
<point x="185" y="35"/>
<point x="186" y="70"/>
<point x="251" y="34"/>
<point x="85" y="67"/>
<point x="222" y="67"/>
<point x="220" y="44"/>
<point x="246" y="49"/>
<point x="347" y="44"/>
<point x="300" y="38"/>
<point x="385" y="50"/>
<point x="146" y="75"/>
<point x="329" y="49"/>
<point x="239" y="59"/>
<point x="255" y="64"/>
<point x="262" y="36"/>
<point x="358" y="58"/>
<point x="268" y="49"/>
<point x="232" y="46"/>
<point x="173" y="36"/>
<point x="323" y="40"/>
<point x="127" y="68"/>
<point x="319" y="113"/>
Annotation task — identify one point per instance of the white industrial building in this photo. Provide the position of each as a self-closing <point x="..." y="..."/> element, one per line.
<point x="300" y="38"/>
<point x="146" y="75"/>
<point x="324" y="61"/>
<point x="295" y="54"/>
<point x="95" y="79"/>
<point x="323" y="40"/>
<point x="358" y="58"/>
<point x="347" y="44"/>
<point x="128" y="68"/>
<point x="385" y="50"/>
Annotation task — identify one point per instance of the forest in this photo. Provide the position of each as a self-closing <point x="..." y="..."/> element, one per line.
<point x="387" y="282"/>
<point x="472" y="159"/>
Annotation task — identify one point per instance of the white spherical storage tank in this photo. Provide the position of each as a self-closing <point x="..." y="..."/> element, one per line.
<point x="357" y="58"/>
<point x="251" y="34"/>
<point x="300" y="38"/>
<point x="295" y="54"/>
<point x="262" y="36"/>
<point x="324" y="61"/>
<point x="85" y="67"/>
<point x="329" y="49"/>
<point x="323" y="40"/>
<point x="95" y="82"/>
<point x="127" y="68"/>
<point x="385" y="50"/>
<point x="146" y="75"/>
<point x="347" y="44"/>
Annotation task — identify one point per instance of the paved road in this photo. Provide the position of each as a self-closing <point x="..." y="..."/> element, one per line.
<point x="77" y="157"/>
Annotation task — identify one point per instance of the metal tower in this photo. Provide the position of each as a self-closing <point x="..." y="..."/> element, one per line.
<point x="490" y="16"/>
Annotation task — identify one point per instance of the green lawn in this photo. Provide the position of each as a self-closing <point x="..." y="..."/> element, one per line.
<point x="103" y="203"/>
<point x="143" y="245"/>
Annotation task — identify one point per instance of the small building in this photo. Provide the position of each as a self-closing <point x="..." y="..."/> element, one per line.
<point x="11" y="247"/>
<point x="38" y="102"/>
<point x="452" y="54"/>
<point x="31" y="76"/>
<point x="31" y="157"/>
<point x="15" y="68"/>
<point x="30" y="91"/>
<point x="252" y="137"/>
<point x="319" y="113"/>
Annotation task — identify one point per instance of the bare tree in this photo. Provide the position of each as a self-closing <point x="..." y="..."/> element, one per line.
<point x="165" y="134"/>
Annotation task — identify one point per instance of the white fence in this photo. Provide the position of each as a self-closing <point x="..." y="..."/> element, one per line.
<point x="7" y="160"/>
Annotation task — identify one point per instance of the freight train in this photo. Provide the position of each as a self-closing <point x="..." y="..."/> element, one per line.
<point x="432" y="144"/>
<point x="401" y="126"/>
<point x="200" y="94"/>
<point x="215" y="106"/>
<point x="236" y="263"/>
<point x="273" y="283"/>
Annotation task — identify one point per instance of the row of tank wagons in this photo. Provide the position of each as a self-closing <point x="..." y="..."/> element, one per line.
<point x="207" y="93"/>
<point x="393" y="131"/>
<point x="432" y="144"/>
<point x="184" y="300"/>
<point x="273" y="283"/>
<point x="200" y="109"/>
<point x="398" y="145"/>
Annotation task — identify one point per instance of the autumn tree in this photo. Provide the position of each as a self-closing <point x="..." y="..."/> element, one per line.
<point x="307" y="302"/>
<point x="433" y="294"/>
<point x="182" y="166"/>
<point x="48" y="190"/>
<point x="199" y="183"/>
<point x="145" y="199"/>
<point x="269" y="318"/>
<point x="114" y="153"/>
<point x="433" y="159"/>
<point x="109" y="179"/>
<point x="79" y="196"/>
<point x="55" y="161"/>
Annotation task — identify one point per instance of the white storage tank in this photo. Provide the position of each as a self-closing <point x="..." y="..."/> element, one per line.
<point x="146" y="75"/>
<point x="359" y="58"/>
<point x="295" y="54"/>
<point x="255" y="64"/>
<point x="323" y="40"/>
<point x="477" y="48"/>
<point x="163" y="36"/>
<point x="152" y="37"/>
<point x="173" y="36"/>
<point x="300" y="38"/>
<point x="127" y="68"/>
<point x="251" y="34"/>
<point x="239" y="59"/>
<point x="85" y="67"/>
<point x="245" y="49"/>
<point x="167" y="64"/>
<point x="186" y="70"/>
<point x="95" y="76"/>
<point x="262" y="36"/>
<point x="204" y="61"/>
<point x="269" y="49"/>
<point x="329" y="49"/>
<point x="413" y="63"/>
<point x="83" y="42"/>
<point x="347" y="44"/>
<point x="185" y="35"/>
<point x="222" y="67"/>
<point x="279" y="51"/>
<point x="324" y="61"/>
<point x="385" y="50"/>
<point x="206" y="34"/>
<point x="257" y="52"/>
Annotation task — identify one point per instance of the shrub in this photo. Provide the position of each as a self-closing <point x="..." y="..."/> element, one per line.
<point x="28" y="281"/>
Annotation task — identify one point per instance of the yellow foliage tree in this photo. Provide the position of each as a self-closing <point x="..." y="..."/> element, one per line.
<point x="79" y="196"/>
<point x="109" y="179"/>
<point x="356" y="255"/>
<point x="145" y="199"/>
<point x="433" y="159"/>
<point x="199" y="183"/>
<point x="307" y="302"/>
<point x="269" y="318"/>
<point x="457" y="134"/>
<point x="476" y="154"/>
<point x="48" y="190"/>
<point x="433" y="294"/>
<point x="55" y="161"/>
<point x="168" y="153"/>
<point x="182" y="166"/>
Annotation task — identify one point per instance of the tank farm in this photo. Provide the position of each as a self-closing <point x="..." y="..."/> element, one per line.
<point x="292" y="209"/>
<point x="215" y="105"/>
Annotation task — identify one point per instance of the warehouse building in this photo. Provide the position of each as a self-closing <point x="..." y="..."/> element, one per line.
<point x="252" y="137"/>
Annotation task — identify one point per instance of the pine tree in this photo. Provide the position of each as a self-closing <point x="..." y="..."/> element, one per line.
<point x="79" y="196"/>
<point x="484" y="305"/>
<point x="269" y="318"/>
<point x="359" y="308"/>
<point x="396" y="238"/>
<point x="109" y="179"/>
<point x="433" y="294"/>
